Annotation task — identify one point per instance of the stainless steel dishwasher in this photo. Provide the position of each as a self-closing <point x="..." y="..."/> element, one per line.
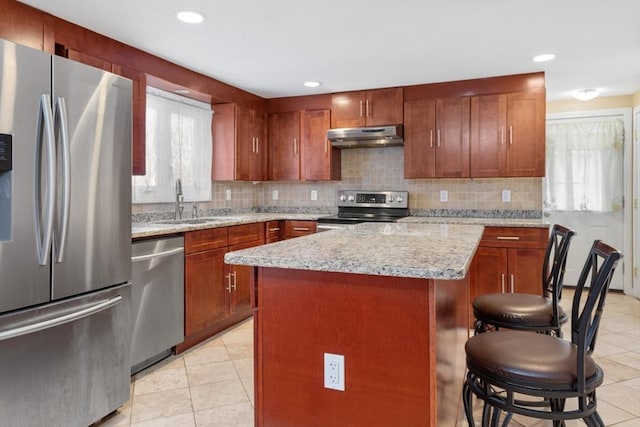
<point x="157" y="300"/>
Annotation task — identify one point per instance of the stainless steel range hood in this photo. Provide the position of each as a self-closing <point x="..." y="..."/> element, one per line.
<point x="379" y="136"/>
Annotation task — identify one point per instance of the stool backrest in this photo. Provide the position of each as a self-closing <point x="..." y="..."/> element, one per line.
<point x="555" y="260"/>
<point x="588" y="301"/>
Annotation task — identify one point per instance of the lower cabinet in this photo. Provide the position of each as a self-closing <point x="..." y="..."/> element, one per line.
<point x="296" y="228"/>
<point x="216" y="295"/>
<point x="508" y="259"/>
<point x="272" y="230"/>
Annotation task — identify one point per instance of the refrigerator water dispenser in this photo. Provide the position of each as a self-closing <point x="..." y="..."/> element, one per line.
<point x="6" y="164"/>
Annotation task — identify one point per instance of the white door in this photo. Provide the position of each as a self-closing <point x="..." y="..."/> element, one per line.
<point x="636" y="214"/>
<point x="588" y="179"/>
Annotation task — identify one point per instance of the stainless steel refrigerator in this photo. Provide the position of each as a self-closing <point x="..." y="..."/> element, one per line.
<point x="65" y="240"/>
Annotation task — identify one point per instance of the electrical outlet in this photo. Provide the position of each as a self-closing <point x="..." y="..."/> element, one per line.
<point x="314" y="194"/>
<point x="444" y="196"/>
<point x="228" y="194"/>
<point x="274" y="194"/>
<point x="506" y="195"/>
<point x="334" y="371"/>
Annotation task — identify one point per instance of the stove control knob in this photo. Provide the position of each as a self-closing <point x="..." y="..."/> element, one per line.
<point x="390" y="199"/>
<point x="343" y="197"/>
<point x="399" y="199"/>
<point x="351" y="198"/>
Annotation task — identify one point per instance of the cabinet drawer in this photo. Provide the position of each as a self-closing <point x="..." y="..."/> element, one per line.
<point x="299" y="228"/>
<point x="246" y="233"/>
<point x="515" y="237"/>
<point x="203" y="240"/>
<point x="272" y="231"/>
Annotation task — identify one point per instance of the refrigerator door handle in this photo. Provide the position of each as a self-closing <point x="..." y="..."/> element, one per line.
<point x="57" y="321"/>
<point x="44" y="133"/>
<point x="62" y="130"/>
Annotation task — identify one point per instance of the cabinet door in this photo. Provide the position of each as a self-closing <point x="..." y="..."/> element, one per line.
<point x="272" y="231"/>
<point x="206" y="299"/>
<point x="419" y="138"/>
<point x="488" y="273"/>
<point x="239" y="281"/>
<point x="244" y="143"/>
<point x="347" y="110"/>
<point x="383" y="107"/>
<point x="452" y="137"/>
<point x="258" y="163"/>
<point x="284" y="145"/>
<point x="319" y="160"/>
<point x="525" y="271"/>
<point x="488" y="137"/>
<point x="139" y="109"/>
<point x="526" y="131"/>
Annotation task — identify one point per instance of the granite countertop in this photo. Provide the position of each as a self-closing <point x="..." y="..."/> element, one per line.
<point x="425" y="251"/>
<point x="487" y="222"/>
<point x="160" y="228"/>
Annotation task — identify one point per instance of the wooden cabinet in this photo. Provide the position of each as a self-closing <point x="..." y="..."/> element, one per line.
<point x="436" y="138"/>
<point x="26" y="26"/>
<point x="366" y="108"/>
<point x="239" y="144"/>
<point x="295" y="228"/>
<point x="319" y="161"/>
<point x="508" y="135"/>
<point x="139" y="116"/>
<point x="216" y="295"/>
<point x="509" y="259"/>
<point x="284" y="146"/>
<point x="272" y="231"/>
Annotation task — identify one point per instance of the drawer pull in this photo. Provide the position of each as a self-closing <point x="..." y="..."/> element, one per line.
<point x="508" y="238"/>
<point x="271" y="230"/>
<point x="301" y="228"/>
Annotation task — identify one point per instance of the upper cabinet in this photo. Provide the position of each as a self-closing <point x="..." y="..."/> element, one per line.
<point x="239" y="144"/>
<point x="366" y="108"/>
<point x="319" y="161"/>
<point x="436" y="138"/>
<point x="508" y="135"/>
<point x="284" y="146"/>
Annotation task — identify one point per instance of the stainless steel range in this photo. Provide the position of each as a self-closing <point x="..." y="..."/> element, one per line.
<point x="366" y="206"/>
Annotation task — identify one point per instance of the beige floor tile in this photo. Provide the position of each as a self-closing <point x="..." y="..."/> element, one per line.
<point x="183" y="420"/>
<point x="161" y="404"/>
<point x="240" y="350"/>
<point x="217" y="394"/>
<point x="624" y="340"/>
<point x="630" y="359"/>
<point x="244" y="367"/>
<point x="615" y="371"/>
<point x="621" y="396"/>
<point x="120" y="418"/>
<point x="206" y="354"/>
<point x="610" y="414"/>
<point x="238" y="335"/>
<point x="240" y="414"/>
<point x="248" y="384"/>
<point x="206" y="373"/>
<point x="161" y="379"/>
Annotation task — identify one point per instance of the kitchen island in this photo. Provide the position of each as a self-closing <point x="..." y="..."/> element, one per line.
<point x="391" y="298"/>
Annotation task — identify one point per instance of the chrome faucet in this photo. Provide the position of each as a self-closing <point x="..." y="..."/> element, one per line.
<point x="179" y="199"/>
<point x="194" y="210"/>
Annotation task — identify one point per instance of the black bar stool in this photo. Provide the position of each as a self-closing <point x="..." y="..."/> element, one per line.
<point x="535" y="374"/>
<point x="539" y="313"/>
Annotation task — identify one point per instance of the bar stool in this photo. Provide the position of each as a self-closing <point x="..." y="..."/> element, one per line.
<point x="535" y="374"/>
<point x="539" y="313"/>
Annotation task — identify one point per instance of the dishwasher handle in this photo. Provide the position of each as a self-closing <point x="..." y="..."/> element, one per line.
<point x="67" y="318"/>
<point x="157" y="255"/>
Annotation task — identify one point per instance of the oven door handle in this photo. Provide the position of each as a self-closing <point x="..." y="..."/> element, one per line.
<point x="327" y="227"/>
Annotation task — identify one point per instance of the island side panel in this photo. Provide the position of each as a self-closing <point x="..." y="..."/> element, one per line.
<point x="384" y="327"/>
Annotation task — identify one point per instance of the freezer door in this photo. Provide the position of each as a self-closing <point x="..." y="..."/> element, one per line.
<point x="92" y="236"/>
<point x="66" y="364"/>
<point x="24" y="79"/>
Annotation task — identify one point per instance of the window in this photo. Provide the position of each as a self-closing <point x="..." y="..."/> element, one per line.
<point x="178" y="146"/>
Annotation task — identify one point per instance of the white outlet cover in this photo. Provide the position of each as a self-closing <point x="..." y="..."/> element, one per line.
<point x="314" y="194"/>
<point x="228" y="194"/>
<point x="506" y="195"/>
<point x="274" y="194"/>
<point x="334" y="371"/>
<point x="444" y="196"/>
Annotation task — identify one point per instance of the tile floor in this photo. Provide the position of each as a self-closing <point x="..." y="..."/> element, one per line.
<point x="212" y="384"/>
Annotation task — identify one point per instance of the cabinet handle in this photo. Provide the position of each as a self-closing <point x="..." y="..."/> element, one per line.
<point x="512" y="284"/>
<point x="438" y="138"/>
<point x="510" y="135"/>
<point x="274" y="229"/>
<point x="431" y="138"/>
<point x="503" y="283"/>
<point x="295" y="145"/>
<point x="502" y="135"/>
<point x="235" y="281"/>
<point x="257" y="145"/>
<point x="367" y="105"/>
<point x="228" y="287"/>
<point x="301" y="228"/>
<point x="361" y="113"/>
<point x="508" y="238"/>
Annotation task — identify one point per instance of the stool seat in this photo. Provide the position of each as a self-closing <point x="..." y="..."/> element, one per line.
<point x="517" y="311"/>
<point x="541" y="360"/>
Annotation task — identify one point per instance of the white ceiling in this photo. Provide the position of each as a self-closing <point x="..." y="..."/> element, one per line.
<point x="270" y="47"/>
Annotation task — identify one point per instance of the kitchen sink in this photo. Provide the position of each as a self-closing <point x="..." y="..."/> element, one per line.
<point x="187" y="221"/>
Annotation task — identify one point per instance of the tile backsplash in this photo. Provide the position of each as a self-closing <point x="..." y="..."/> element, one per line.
<point x="376" y="169"/>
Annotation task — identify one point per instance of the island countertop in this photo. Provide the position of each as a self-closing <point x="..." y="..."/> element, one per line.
<point x="426" y="251"/>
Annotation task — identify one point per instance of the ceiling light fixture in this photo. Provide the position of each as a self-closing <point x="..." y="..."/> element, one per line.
<point x="586" y="94"/>
<point x="190" y="17"/>
<point x="544" y="57"/>
<point x="312" y="84"/>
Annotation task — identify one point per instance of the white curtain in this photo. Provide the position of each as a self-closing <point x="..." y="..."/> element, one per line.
<point x="178" y="146"/>
<point x="584" y="165"/>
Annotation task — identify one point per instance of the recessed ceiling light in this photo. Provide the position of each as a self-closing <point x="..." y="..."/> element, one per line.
<point x="544" y="58"/>
<point x="312" y="84"/>
<point x="190" y="17"/>
<point x="586" y="94"/>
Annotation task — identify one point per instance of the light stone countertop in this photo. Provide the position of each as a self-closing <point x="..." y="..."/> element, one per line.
<point x="161" y="228"/>
<point x="487" y="222"/>
<point x="426" y="251"/>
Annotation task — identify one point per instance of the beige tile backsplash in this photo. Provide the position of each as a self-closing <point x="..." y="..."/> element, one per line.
<point x="376" y="169"/>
